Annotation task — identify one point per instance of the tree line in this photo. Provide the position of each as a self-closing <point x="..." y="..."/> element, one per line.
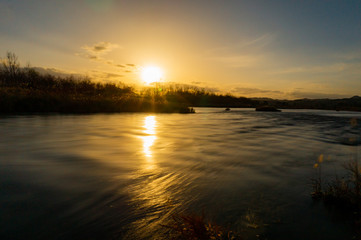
<point x="23" y="89"/>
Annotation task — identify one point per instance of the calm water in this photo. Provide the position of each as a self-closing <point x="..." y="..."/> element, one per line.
<point x="121" y="176"/>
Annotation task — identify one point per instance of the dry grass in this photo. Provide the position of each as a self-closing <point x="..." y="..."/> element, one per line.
<point x="317" y="181"/>
<point x="342" y="193"/>
<point x="345" y="190"/>
<point x="196" y="227"/>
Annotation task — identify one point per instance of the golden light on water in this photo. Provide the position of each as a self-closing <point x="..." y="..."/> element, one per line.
<point x="149" y="129"/>
<point x="149" y="125"/>
<point x="148" y="142"/>
<point x="151" y="74"/>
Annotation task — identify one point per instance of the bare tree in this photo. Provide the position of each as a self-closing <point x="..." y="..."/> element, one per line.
<point x="10" y="66"/>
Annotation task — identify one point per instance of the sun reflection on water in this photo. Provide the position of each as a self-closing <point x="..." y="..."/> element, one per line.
<point x="148" y="141"/>
<point x="157" y="191"/>
<point x="149" y="125"/>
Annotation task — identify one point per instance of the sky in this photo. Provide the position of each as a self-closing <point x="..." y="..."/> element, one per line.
<point x="254" y="48"/>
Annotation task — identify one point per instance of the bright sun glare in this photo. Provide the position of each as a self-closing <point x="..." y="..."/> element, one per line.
<point x="151" y="74"/>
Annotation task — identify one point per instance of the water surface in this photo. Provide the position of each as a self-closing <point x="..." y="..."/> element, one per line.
<point x="122" y="176"/>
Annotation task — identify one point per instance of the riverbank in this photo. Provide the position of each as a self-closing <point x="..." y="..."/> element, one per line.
<point x="19" y="100"/>
<point x="24" y="90"/>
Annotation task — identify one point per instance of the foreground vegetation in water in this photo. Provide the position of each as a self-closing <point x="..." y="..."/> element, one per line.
<point x="342" y="194"/>
<point x="24" y="90"/>
<point x="192" y="226"/>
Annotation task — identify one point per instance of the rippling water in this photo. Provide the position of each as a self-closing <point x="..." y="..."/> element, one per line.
<point x="122" y="176"/>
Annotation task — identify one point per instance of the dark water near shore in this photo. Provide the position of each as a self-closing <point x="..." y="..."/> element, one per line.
<point x="121" y="176"/>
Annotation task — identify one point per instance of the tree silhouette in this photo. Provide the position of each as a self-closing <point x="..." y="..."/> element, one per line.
<point x="10" y="68"/>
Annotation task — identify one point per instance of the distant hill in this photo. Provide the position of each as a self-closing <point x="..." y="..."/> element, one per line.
<point x="349" y="104"/>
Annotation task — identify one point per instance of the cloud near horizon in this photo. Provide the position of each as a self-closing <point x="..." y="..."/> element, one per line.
<point x="56" y="72"/>
<point x="291" y="94"/>
<point x="93" y="75"/>
<point x="315" y="95"/>
<point x="242" y="90"/>
<point x="332" y="68"/>
<point x="103" y="76"/>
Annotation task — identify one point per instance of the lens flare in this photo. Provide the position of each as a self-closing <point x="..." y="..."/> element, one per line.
<point x="151" y="74"/>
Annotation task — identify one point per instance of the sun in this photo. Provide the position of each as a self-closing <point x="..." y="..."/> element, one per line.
<point x="151" y="74"/>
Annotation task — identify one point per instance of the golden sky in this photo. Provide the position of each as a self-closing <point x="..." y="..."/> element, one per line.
<point x="278" y="49"/>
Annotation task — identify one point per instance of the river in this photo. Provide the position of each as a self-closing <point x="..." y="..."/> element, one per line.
<point x="123" y="176"/>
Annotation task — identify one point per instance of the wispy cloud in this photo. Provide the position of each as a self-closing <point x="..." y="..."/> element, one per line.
<point x="94" y="74"/>
<point x="105" y="76"/>
<point x="243" y="54"/>
<point x="336" y="62"/>
<point x="349" y="57"/>
<point x="113" y="75"/>
<point x="244" y="45"/>
<point x="332" y="68"/>
<point x="296" y="93"/>
<point x="100" y="48"/>
<point x="56" y="72"/>
<point x="97" y="52"/>
<point x="197" y="82"/>
<point x="248" y="91"/>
